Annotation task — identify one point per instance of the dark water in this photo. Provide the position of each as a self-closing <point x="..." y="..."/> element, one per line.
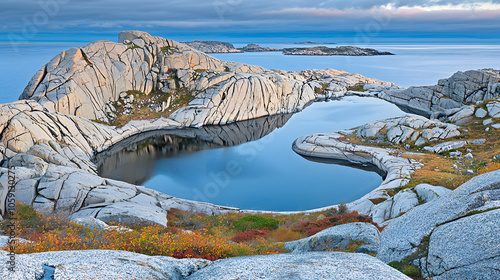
<point x="250" y="164"/>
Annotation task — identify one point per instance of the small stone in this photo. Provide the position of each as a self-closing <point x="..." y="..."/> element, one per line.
<point x="456" y="154"/>
<point x="420" y="141"/>
<point x="481" y="113"/>
<point x="123" y="94"/>
<point x="487" y="122"/>
<point x="139" y="42"/>
<point x="478" y="141"/>
<point x="470" y="171"/>
<point x="469" y="156"/>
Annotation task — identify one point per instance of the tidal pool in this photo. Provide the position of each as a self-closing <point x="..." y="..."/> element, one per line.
<point x="250" y="164"/>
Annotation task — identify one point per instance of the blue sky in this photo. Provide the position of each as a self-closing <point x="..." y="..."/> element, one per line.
<point x="256" y="20"/>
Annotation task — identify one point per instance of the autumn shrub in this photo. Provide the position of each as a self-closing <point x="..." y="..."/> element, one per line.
<point x="256" y="222"/>
<point x="250" y="234"/>
<point x="50" y="233"/>
<point x="183" y="219"/>
<point x="284" y="234"/>
<point x="492" y="166"/>
<point x="311" y="228"/>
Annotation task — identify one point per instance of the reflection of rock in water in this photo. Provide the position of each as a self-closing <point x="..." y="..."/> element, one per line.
<point x="133" y="159"/>
<point x="135" y="163"/>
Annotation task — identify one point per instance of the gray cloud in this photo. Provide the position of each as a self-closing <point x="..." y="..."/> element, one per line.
<point x="237" y="15"/>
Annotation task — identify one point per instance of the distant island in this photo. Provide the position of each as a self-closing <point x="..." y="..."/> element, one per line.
<point x="224" y="47"/>
<point x="341" y="50"/>
<point x="212" y="46"/>
<point x="311" y="43"/>
<point x="257" y="48"/>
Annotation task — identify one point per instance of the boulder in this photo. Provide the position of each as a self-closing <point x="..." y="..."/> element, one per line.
<point x="460" y="226"/>
<point x="427" y="192"/>
<point x="98" y="264"/>
<point x="446" y="146"/>
<point x="403" y="201"/>
<point x="130" y="213"/>
<point x="340" y="238"/>
<point x="460" y="89"/>
<point x="481" y="113"/>
<point x="493" y="109"/>
<point x="138" y="42"/>
<point x="464" y="115"/>
<point x="466" y="249"/>
<point x="91" y="223"/>
<point x="311" y="265"/>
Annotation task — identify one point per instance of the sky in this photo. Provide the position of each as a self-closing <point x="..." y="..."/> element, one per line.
<point x="256" y="20"/>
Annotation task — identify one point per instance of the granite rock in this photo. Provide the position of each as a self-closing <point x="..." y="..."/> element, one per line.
<point x="337" y="238"/>
<point x="311" y="265"/>
<point x="99" y="264"/>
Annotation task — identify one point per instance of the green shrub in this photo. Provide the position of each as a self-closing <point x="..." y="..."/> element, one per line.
<point x="256" y="222"/>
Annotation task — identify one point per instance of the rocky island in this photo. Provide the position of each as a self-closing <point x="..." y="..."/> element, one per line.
<point x="341" y="50"/>
<point x="257" y="48"/>
<point x="417" y="223"/>
<point x="212" y="46"/>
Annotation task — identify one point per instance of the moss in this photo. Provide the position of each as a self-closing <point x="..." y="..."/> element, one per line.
<point x="353" y="245"/>
<point x="86" y="59"/>
<point x="475" y="212"/>
<point x="169" y="50"/>
<point x="407" y="269"/>
<point x="133" y="46"/>
<point x="321" y="89"/>
<point x="358" y="87"/>
<point x="378" y="200"/>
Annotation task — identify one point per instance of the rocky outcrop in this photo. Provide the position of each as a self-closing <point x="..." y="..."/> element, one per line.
<point x="212" y="46"/>
<point x="449" y="94"/>
<point x="87" y="81"/>
<point x="98" y="264"/>
<point x="398" y="170"/>
<point x="82" y="81"/>
<point x="50" y="141"/>
<point x="341" y="50"/>
<point x="340" y="238"/>
<point x="312" y="265"/>
<point x="257" y="48"/>
<point x="455" y="236"/>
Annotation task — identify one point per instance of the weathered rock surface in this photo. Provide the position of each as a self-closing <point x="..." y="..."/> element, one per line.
<point x="82" y="81"/>
<point x="99" y="264"/>
<point x="462" y="238"/>
<point x="451" y="145"/>
<point x="85" y="81"/>
<point x="398" y="169"/>
<point x="408" y="129"/>
<point x="428" y="192"/>
<point x="460" y="89"/>
<point x="312" y="265"/>
<point x="212" y="46"/>
<point x="338" y="238"/>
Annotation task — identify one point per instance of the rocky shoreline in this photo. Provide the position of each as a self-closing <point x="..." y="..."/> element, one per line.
<point x="50" y="137"/>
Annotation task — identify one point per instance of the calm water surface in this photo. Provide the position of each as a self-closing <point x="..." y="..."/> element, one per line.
<point x="263" y="174"/>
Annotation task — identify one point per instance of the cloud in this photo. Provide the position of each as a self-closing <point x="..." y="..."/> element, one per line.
<point x="221" y="16"/>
